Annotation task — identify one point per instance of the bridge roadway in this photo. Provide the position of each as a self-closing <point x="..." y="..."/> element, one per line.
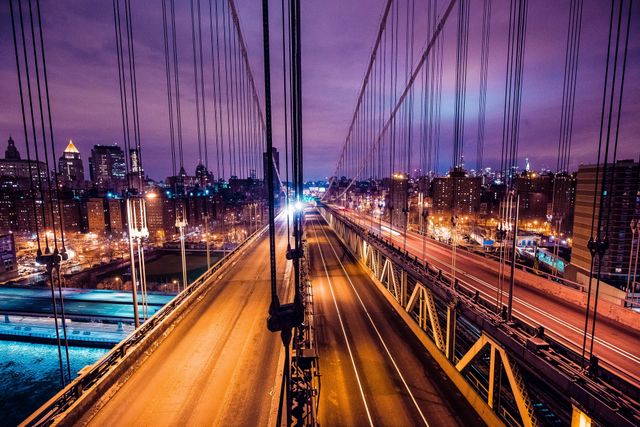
<point x="616" y="345"/>
<point x="373" y="369"/>
<point x="218" y="365"/>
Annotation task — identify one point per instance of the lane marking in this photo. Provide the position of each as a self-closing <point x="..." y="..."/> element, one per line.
<point x="375" y="328"/>
<point x="571" y="327"/>
<point x="551" y="317"/>
<point x="344" y="332"/>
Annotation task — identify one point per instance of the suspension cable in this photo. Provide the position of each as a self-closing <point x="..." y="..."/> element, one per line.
<point x="484" y="70"/>
<point x="30" y="164"/>
<point x="393" y="112"/>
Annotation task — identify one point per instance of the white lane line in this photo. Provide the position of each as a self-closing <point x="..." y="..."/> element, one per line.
<point x="551" y="317"/>
<point x="395" y="365"/>
<point x="537" y="310"/>
<point x="344" y="332"/>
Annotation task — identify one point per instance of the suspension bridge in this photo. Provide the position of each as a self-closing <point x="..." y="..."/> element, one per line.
<point x="342" y="311"/>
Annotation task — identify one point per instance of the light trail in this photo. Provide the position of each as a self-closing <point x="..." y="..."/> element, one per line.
<point x="375" y="328"/>
<point x="553" y="330"/>
<point x="344" y="332"/>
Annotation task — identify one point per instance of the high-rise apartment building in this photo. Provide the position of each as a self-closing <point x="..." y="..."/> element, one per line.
<point x="563" y="203"/>
<point x="71" y="215"/>
<point x="96" y="216"/>
<point x="161" y="220"/>
<point x="621" y="205"/>
<point x="108" y="167"/>
<point x="117" y="221"/>
<point x="398" y="199"/>
<point x="457" y="193"/>
<point x="535" y="191"/>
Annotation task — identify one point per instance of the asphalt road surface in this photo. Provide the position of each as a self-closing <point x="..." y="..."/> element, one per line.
<point x="218" y="366"/>
<point x="373" y="369"/>
<point x="617" y="346"/>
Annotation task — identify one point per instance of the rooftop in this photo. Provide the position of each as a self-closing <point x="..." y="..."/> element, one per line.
<point x="71" y="148"/>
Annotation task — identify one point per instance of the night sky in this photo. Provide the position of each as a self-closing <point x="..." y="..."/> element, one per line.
<point x="337" y="37"/>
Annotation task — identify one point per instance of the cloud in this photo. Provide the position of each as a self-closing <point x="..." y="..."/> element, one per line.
<point x="337" y="37"/>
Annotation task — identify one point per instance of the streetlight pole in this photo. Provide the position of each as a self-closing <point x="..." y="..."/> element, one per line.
<point x="513" y="260"/>
<point x="134" y="291"/>
<point x="631" y="277"/>
<point x="635" y="268"/>
<point x="181" y="223"/>
<point x="420" y="208"/>
<point x="206" y="239"/>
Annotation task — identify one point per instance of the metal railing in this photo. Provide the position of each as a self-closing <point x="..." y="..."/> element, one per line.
<point x="558" y="361"/>
<point x="52" y="410"/>
<point x="471" y="250"/>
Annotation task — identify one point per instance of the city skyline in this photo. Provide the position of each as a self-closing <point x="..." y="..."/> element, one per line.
<point x="348" y="212"/>
<point x="85" y="95"/>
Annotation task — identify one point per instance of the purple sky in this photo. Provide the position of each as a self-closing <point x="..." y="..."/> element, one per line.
<point x="337" y="39"/>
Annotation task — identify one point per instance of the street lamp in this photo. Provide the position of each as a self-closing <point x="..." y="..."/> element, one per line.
<point x="631" y="278"/>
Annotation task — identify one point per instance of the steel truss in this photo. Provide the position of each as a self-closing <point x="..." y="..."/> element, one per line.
<point x="510" y="372"/>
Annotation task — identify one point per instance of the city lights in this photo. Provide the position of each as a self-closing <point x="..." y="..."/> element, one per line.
<point x="320" y="213"/>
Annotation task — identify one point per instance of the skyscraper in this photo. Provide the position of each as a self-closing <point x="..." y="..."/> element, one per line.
<point x="621" y="204"/>
<point x="536" y="193"/>
<point x="398" y="199"/>
<point x="134" y="159"/>
<point x="117" y="221"/>
<point x="70" y="167"/>
<point x="108" y="168"/>
<point x="564" y="201"/>
<point x="203" y="176"/>
<point x="135" y="180"/>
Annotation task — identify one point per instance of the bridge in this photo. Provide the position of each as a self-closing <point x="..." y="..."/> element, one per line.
<point x="341" y="310"/>
<point x="376" y="332"/>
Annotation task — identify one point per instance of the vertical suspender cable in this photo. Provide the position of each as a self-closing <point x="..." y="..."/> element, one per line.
<point x="600" y="245"/>
<point x="33" y="191"/>
<point x="275" y="302"/>
<point x="484" y="69"/>
<point x="59" y="255"/>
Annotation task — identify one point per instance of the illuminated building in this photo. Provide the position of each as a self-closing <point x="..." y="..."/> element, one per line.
<point x="398" y="197"/>
<point x="70" y="167"/>
<point x="161" y="220"/>
<point x="457" y="193"/>
<point x="136" y="176"/>
<point x="71" y="215"/>
<point x="622" y="198"/>
<point x="107" y="167"/>
<point x="8" y="264"/>
<point x="96" y="218"/>
<point x="16" y="173"/>
<point x="117" y="222"/>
